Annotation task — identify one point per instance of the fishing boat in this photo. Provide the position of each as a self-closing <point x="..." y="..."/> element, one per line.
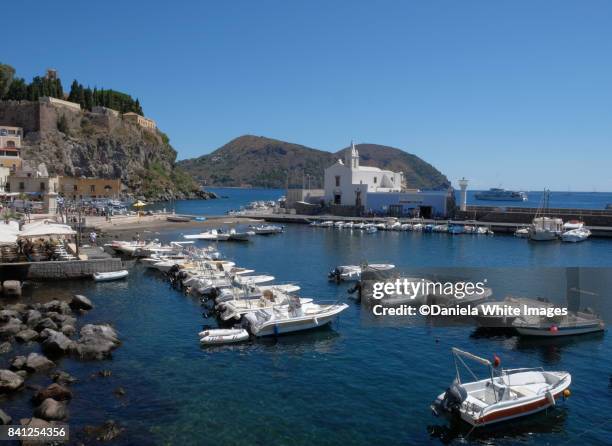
<point x="353" y="272"/>
<point x="458" y="299"/>
<point x="572" y="324"/>
<point x="545" y="228"/>
<point x="266" y="229"/>
<point x="291" y="318"/>
<point x="504" y="395"/>
<point x="109" y="276"/>
<point x="218" y="336"/>
<point x="576" y="235"/>
<point x="498" y="194"/>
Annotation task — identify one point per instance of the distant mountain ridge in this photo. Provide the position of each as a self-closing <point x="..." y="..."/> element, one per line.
<point x="257" y="161"/>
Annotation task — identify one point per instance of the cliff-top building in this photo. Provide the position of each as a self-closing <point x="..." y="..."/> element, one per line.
<point x="135" y="118"/>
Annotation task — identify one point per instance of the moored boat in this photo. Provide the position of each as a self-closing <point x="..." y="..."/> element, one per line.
<point x="218" y="336"/>
<point x="504" y="395"/>
<point x="109" y="276"/>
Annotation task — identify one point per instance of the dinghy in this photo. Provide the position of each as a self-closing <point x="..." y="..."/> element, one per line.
<point x="572" y="324"/>
<point x="504" y="395"/>
<point x="223" y="336"/>
<point x="112" y="275"/>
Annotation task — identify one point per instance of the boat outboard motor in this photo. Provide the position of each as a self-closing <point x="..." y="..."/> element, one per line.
<point x="453" y="397"/>
<point x="334" y="274"/>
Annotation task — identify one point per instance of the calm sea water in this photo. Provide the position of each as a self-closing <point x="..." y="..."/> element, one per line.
<point x="557" y="199"/>
<point x="346" y="384"/>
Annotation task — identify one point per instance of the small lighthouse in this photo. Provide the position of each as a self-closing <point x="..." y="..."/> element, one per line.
<point x="463" y="184"/>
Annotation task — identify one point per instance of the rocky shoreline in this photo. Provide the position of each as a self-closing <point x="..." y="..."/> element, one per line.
<point x="47" y="331"/>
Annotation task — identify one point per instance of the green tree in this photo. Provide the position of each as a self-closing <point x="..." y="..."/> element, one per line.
<point x="6" y="78"/>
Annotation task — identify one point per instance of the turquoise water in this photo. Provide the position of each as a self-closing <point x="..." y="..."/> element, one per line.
<point x="351" y="383"/>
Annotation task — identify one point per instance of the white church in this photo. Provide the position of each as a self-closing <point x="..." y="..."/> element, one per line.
<point x="375" y="190"/>
<point x="347" y="183"/>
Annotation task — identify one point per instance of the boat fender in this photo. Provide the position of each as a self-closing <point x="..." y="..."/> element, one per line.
<point x="496" y="361"/>
<point x="567" y="393"/>
<point x="550" y="397"/>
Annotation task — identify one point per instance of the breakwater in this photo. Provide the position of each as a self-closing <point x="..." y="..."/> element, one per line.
<point x="57" y="270"/>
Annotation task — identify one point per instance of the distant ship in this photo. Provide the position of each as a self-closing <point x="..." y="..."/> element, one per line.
<point x="497" y="194"/>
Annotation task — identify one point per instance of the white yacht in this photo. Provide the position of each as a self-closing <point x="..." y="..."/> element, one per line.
<point x="545" y="229"/>
<point x="576" y="235"/>
<point x="235" y="309"/>
<point x="212" y="235"/>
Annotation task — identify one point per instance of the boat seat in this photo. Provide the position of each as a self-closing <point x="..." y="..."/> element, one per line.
<point x="527" y="389"/>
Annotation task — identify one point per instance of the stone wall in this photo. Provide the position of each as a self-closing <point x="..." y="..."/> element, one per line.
<point x="75" y="269"/>
<point x="20" y="114"/>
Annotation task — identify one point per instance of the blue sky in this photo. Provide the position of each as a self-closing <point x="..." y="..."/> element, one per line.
<point x="514" y="93"/>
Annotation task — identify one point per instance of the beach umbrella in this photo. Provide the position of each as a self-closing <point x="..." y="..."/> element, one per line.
<point x="139" y="204"/>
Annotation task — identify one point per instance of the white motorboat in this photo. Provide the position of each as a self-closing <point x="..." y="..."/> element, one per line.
<point x="545" y="229"/>
<point x="573" y="224"/>
<point x="327" y="224"/>
<point x="246" y="292"/>
<point x="130" y="248"/>
<point x="418" y="292"/>
<point x="576" y="235"/>
<point x="483" y="230"/>
<point x="212" y="235"/>
<point x="112" y="275"/>
<point x="238" y="236"/>
<point x="235" y="309"/>
<point x="371" y="230"/>
<point x="290" y="318"/>
<point x="417" y="227"/>
<point x="572" y="324"/>
<point x="218" y="336"/>
<point x="504" y="395"/>
<point x="339" y="224"/>
<point x="348" y="225"/>
<point x="266" y="229"/>
<point x="353" y="272"/>
<point x="406" y="227"/>
<point x="455" y="299"/>
<point x="522" y="232"/>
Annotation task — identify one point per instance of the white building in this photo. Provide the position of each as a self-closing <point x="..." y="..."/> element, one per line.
<point x="347" y="183"/>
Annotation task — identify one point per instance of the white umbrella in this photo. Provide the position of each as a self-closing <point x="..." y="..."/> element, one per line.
<point x="47" y="230"/>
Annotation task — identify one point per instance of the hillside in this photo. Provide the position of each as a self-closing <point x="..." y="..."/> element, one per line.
<point x="257" y="161"/>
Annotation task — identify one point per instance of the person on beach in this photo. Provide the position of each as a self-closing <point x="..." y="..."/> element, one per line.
<point x="92" y="237"/>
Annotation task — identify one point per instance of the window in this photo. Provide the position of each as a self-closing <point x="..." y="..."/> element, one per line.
<point x="21" y="185"/>
<point x="92" y="188"/>
<point x="75" y="188"/>
<point x="10" y="144"/>
<point x="374" y="180"/>
<point x="337" y="180"/>
<point x="42" y="186"/>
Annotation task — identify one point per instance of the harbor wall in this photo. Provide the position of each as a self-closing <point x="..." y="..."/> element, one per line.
<point x="73" y="269"/>
<point x="591" y="217"/>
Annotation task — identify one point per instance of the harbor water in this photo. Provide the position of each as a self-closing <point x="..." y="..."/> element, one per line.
<point x="344" y="384"/>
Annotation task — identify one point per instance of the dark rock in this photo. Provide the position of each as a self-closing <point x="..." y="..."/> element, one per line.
<point x="56" y="343"/>
<point x="20" y="308"/>
<point x="55" y="391"/>
<point x="32" y="318"/>
<point x="18" y="362"/>
<point x="5" y="418"/>
<point x="51" y="409"/>
<point x="35" y="423"/>
<point x="80" y="302"/>
<point x="26" y="335"/>
<point x="46" y="323"/>
<point x="11" y="327"/>
<point x="5" y="347"/>
<point x="9" y="381"/>
<point x="105" y="373"/>
<point x="36" y="362"/>
<point x="97" y="341"/>
<point x="63" y="378"/>
<point x="107" y="432"/>
<point x="68" y="330"/>
<point x="6" y="315"/>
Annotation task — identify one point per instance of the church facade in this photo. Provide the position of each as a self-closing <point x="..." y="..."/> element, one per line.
<point x="347" y="183"/>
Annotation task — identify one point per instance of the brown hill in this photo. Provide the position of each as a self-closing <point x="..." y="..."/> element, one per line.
<point x="258" y="161"/>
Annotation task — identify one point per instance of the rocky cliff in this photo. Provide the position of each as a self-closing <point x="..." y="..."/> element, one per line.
<point x="80" y="143"/>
